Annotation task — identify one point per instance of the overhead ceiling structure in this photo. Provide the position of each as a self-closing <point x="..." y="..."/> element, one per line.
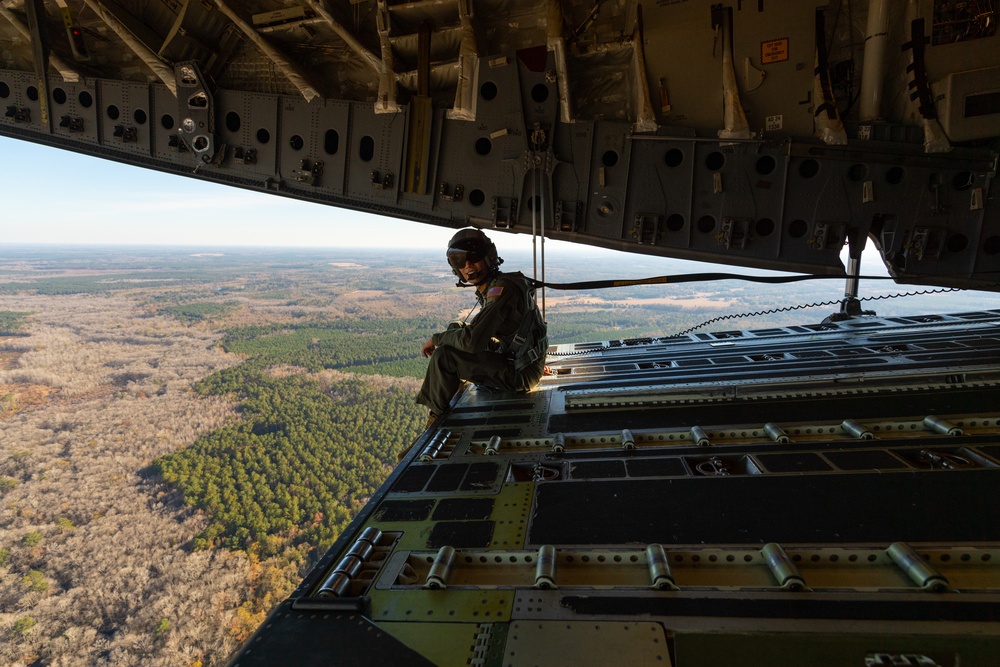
<point x="764" y="134"/>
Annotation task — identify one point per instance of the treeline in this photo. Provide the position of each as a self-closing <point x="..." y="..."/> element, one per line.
<point x="201" y="310"/>
<point x="384" y="346"/>
<point x="11" y="321"/>
<point x="100" y="284"/>
<point x="298" y="465"/>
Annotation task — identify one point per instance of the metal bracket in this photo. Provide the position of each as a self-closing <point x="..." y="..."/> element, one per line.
<point x="244" y="155"/>
<point x="126" y="133"/>
<point x="195" y="107"/>
<point x="828" y="235"/>
<point x="310" y="172"/>
<point x="456" y="194"/>
<point x="735" y="232"/>
<point x="927" y="243"/>
<point x="504" y="212"/>
<point x="19" y="114"/>
<point x="646" y="230"/>
<point x="71" y="123"/>
<point x="382" y="181"/>
<point x="567" y="215"/>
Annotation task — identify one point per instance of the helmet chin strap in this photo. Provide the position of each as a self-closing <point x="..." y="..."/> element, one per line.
<point x="487" y="276"/>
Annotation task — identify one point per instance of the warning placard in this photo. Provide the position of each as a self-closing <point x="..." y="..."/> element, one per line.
<point x="774" y="51"/>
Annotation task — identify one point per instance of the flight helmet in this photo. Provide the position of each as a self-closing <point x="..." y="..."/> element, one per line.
<point x="472" y="245"/>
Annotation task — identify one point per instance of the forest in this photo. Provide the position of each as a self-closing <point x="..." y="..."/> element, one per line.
<point x="302" y="459"/>
<point x="11" y="322"/>
<point x="182" y="434"/>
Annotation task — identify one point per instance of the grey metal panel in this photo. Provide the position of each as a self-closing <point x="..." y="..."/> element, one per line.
<point x="573" y="146"/>
<point x="499" y="142"/>
<point x="248" y="122"/>
<point x="933" y="218"/>
<point x="806" y="178"/>
<point x="376" y="154"/>
<point x="484" y="156"/>
<point x="539" y="95"/>
<point x="540" y="99"/>
<point x="709" y="159"/>
<point x="299" y="145"/>
<point x="164" y="119"/>
<point x="236" y="125"/>
<point x="745" y="213"/>
<point x="498" y="105"/>
<point x="460" y="166"/>
<point x="942" y="231"/>
<point x="952" y="93"/>
<point x="646" y="210"/>
<point x="609" y="176"/>
<point x="830" y="203"/>
<point x="767" y="170"/>
<point x="690" y="62"/>
<point x="987" y="247"/>
<point x="787" y="87"/>
<point x="123" y="114"/>
<point x="676" y="170"/>
<point x="78" y="107"/>
<point x="262" y="119"/>
<point x="456" y="138"/>
<point x="333" y="130"/>
<point x="22" y="86"/>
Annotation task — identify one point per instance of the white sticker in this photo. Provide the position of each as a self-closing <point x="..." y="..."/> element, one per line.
<point x="774" y="122"/>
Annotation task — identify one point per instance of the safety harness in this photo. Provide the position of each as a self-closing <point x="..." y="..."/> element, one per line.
<point x="530" y="341"/>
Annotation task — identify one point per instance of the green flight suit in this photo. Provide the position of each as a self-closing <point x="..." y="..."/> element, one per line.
<point x="502" y="348"/>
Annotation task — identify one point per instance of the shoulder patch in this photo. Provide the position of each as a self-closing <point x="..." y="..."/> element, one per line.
<point x="494" y="291"/>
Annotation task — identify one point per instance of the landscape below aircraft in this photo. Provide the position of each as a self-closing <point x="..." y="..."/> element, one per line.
<point x="825" y="493"/>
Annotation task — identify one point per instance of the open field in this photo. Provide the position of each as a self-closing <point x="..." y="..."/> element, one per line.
<point x="94" y="553"/>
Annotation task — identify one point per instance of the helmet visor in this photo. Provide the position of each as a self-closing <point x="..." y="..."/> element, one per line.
<point x="457" y="257"/>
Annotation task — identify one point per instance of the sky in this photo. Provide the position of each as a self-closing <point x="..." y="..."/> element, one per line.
<point x="56" y="196"/>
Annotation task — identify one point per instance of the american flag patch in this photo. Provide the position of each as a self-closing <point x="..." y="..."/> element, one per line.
<point x="494" y="291"/>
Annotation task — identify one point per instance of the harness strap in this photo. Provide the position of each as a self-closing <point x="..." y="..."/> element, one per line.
<point x="520" y="349"/>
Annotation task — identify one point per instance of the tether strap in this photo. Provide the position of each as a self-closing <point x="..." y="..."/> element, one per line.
<point x="691" y="278"/>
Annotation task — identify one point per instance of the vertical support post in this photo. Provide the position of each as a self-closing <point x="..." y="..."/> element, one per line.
<point x="853" y="273"/>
